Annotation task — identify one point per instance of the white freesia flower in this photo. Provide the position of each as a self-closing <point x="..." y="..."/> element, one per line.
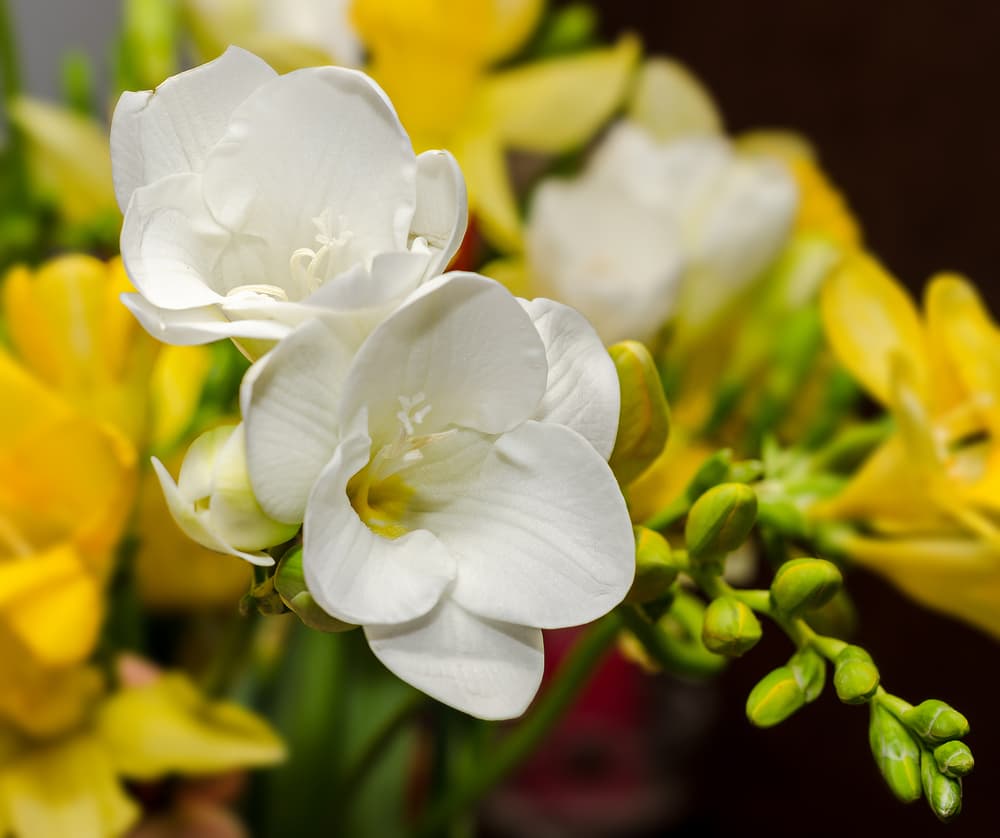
<point x="452" y="481"/>
<point x="653" y="230"/>
<point x="213" y="502"/>
<point x="253" y="200"/>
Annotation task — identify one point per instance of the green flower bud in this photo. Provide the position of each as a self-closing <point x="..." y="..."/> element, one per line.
<point x="710" y="473"/>
<point x="944" y="793"/>
<point x="730" y="627"/>
<point x="655" y="567"/>
<point x="720" y="520"/>
<point x="954" y="758"/>
<point x="896" y="753"/>
<point x="855" y="676"/>
<point x="804" y="584"/>
<point x="644" y="421"/>
<point x="290" y="583"/>
<point x="934" y="721"/>
<point x="776" y="696"/>
<point x="809" y="669"/>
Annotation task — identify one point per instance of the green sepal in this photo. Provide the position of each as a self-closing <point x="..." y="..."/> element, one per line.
<point x="896" y="753"/>
<point x="954" y="758"/>
<point x="809" y="669"/>
<point x="855" y="676"/>
<point x="720" y="520"/>
<point x="935" y="721"/>
<point x="943" y="793"/>
<point x="730" y="627"/>
<point x="805" y="584"/>
<point x="656" y="567"/>
<point x="290" y="583"/>
<point x="644" y="418"/>
<point x="776" y="696"/>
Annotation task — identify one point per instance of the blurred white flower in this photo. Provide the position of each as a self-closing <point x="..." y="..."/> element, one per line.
<point x="213" y="502"/>
<point x="254" y="200"/>
<point x="452" y="481"/>
<point x="657" y="230"/>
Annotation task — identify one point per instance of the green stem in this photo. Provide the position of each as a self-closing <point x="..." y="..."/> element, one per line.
<point x="669" y="515"/>
<point x="670" y="653"/>
<point x="232" y="656"/>
<point x="357" y="771"/>
<point x="572" y="676"/>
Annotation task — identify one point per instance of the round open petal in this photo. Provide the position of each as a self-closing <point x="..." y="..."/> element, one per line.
<point x="357" y="575"/>
<point x="582" y="391"/>
<point x="289" y="400"/>
<point x="461" y="351"/>
<point x="485" y="668"/>
<point x="442" y="210"/>
<point x="535" y="520"/>
<point x="316" y="148"/>
<point x="171" y="130"/>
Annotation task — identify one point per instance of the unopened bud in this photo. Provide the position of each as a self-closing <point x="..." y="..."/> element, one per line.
<point x="896" y="753"/>
<point x="710" y="473"/>
<point x="730" y="627"/>
<point x="943" y="793"/>
<point x="855" y="676"/>
<point x="776" y="696"/>
<point x="809" y="669"/>
<point x="804" y="584"/>
<point x="644" y="421"/>
<point x="934" y="721"/>
<point x="290" y="583"/>
<point x="954" y="758"/>
<point x="720" y="520"/>
<point x="655" y="567"/>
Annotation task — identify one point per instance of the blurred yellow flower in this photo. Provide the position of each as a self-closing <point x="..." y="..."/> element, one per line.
<point x="929" y="492"/>
<point x="72" y="784"/>
<point x="477" y="112"/>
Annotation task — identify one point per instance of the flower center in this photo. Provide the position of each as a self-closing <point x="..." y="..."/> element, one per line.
<point x="378" y="492"/>
<point x="310" y="267"/>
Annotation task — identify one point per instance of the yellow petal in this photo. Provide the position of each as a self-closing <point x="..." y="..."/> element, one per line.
<point x="868" y="319"/>
<point x="959" y="577"/>
<point x="178" y="379"/>
<point x="66" y="789"/>
<point x="39" y="701"/>
<point x="670" y="102"/>
<point x="788" y="146"/>
<point x="513" y="23"/>
<point x="52" y="604"/>
<point x="822" y="208"/>
<point x="69" y="157"/>
<point x="172" y="572"/>
<point x="169" y="727"/>
<point x="554" y="105"/>
<point x="668" y="476"/>
<point x="69" y="328"/>
<point x="512" y="273"/>
<point x="491" y="196"/>
<point x="968" y="344"/>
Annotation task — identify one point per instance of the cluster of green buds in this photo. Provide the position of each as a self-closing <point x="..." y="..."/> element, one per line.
<point x="918" y="749"/>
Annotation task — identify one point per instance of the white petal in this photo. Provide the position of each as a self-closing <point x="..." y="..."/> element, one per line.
<point x="236" y="515"/>
<point x="289" y="400"/>
<point x="356" y="575"/>
<point x="315" y="141"/>
<point x="170" y="243"/>
<point x="484" y="668"/>
<point x="193" y="525"/>
<point x="442" y="212"/>
<point x="463" y="347"/>
<point x="186" y="327"/>
<point x="582" y="391"/>
<point x="170" y="130"/>
<point x="536" y="521"/>
<point x="602" y="251"/>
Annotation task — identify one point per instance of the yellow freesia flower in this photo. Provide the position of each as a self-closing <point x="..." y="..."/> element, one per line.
<point x="72" y="784"/>
<point x="478" y="113"/>
<point x="70" y="331"/>
<point x="929" y="492"/>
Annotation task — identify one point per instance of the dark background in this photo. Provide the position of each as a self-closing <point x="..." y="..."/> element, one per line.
<point x="900" y="98"/>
